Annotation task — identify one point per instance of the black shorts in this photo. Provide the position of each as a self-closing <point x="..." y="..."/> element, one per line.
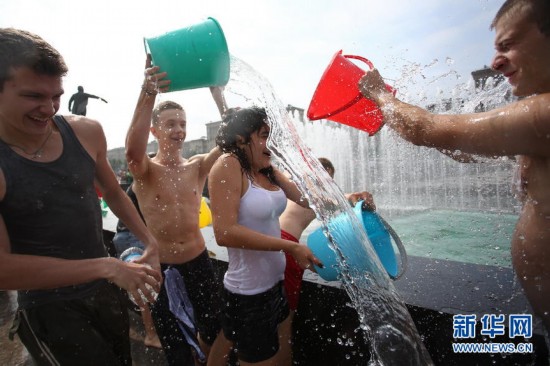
<point x="251" y="322"/>
<point x="89" y="331"/>
<point x="203" y="290"/>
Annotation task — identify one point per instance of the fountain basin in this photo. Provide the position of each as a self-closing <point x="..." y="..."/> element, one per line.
<point x="326" y="326"/>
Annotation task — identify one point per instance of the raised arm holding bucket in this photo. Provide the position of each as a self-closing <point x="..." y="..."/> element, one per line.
<point x="521" y="129"/>
<point x="168" y="186"/>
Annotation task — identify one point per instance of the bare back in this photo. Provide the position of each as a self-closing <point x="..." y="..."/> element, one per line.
<point x="295" y="219"/>
<point x="169" y="198"/>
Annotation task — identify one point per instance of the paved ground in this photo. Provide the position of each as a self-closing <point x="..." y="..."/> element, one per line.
<point x="12" y="353"/>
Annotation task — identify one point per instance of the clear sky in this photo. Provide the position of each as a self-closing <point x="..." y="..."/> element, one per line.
<point x="290" y="42"/>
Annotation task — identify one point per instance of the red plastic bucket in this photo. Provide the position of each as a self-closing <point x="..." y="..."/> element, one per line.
<point x="337" y="97"/>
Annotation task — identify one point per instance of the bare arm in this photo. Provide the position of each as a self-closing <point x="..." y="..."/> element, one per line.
<point x="31" y="272"/>
<point x="19" y="272"/>
<point x="225" y="187"/>
<point x="91" y="135"/>
<point x="121" y="205"/>
<point x="521" y="128"/>
<point x="209" y="159"/>
<point x="138" y="132"/>
<point x="219" y="99"/>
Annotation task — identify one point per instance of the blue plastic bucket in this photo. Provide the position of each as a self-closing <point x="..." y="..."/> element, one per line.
<point x="340" y="228"/>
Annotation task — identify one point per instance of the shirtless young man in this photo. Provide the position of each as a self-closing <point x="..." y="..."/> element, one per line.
<point x="51" y="243"/>
<point x="168" y="188"/>
<point x="522" y="44"/>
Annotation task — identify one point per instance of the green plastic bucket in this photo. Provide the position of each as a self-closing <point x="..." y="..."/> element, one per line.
<point x="193" y="57"/>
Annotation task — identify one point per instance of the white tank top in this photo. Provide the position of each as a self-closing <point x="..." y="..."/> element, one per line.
<point x="251" y="272"/>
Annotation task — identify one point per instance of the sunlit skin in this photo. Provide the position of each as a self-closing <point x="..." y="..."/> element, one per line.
<point x="169" y="187"/>
<point x="521" y="129"/>
<point x="169" y="192"/>
<point x="27" y="103"/>
<point x="227" y="183"/>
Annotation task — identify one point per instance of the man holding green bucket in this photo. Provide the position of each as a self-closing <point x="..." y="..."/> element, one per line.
<point x="194" y="57"/>
<point x="168" y="188"/>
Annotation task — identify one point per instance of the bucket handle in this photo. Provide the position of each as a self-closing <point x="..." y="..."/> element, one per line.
<point x="400" y="248"/>
<point x="371" y="66"/>
<point x="396" y="239"/>
<point x="354" y="100"/>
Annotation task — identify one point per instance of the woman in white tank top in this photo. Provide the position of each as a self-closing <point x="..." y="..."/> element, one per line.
<point x="247" y="196"/>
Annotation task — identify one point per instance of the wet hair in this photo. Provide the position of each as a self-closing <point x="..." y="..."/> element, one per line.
<point x="19" y="48"/>
<point x="242" y="123"/>
<point x="535" y="11"/>
<point x="164" y="106"/>
<point x="327" y="164"/>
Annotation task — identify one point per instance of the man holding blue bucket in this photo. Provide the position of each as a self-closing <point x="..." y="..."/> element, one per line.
<point x="522" y="46"/>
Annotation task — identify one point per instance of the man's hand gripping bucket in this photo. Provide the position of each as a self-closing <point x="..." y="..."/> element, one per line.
<point x="337" y="97"/>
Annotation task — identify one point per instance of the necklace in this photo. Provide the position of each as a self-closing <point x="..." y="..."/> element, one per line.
<point x="37" y="154"/>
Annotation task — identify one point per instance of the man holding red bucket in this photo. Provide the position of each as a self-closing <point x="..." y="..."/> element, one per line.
<point x="522" y="44"/>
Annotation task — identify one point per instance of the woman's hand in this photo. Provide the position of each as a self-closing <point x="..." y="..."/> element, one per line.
<point x="305" y="257"/>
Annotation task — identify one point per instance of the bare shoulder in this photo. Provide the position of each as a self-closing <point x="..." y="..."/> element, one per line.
<point x="227" y="160"/>
<point x="227" y="167"/>
<point x="90" y="134"/>
<point x="83" y="125"/>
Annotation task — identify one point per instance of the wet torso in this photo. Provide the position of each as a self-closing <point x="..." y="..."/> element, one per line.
<point x="531" y="239"/>
<point x="169" y="198"/>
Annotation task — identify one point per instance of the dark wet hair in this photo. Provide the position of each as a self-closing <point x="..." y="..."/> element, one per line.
<point x="535" y="11"/>
<point x="327" y="164"/>
<point x="19" y="48"/>
<point x="164" y="106"/>
<point x="242" y="122"/>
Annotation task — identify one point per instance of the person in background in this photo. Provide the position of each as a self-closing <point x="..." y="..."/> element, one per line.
<point x="247" y="196"/>
<point x="79" y="101"/>
<point x="294" y="220"/>
<point x="522" y="45"/>
<point x="70" y="311"/>
<point x="168" y="188"/>
<point x="125" y="239"/>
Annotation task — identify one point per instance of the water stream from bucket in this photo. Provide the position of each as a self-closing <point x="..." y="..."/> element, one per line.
<point x="383" y="316"/>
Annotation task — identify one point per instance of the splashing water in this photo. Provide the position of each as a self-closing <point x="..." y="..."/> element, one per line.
<point x="383" y="317"/>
